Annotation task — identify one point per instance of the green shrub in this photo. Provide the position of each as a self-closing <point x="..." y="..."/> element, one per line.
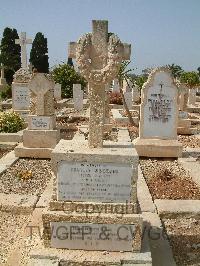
<point x="10" y="122"/>
<point x="67" y="76"/>
<point x="6" y="93"/>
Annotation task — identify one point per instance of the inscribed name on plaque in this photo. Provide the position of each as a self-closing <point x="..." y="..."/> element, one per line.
<point x="105" y="182"/>
<point x="111" y="237"/>
<point x="40" y="122"/>
<point x="21" y="98"/>
<point x="160" y="110"/>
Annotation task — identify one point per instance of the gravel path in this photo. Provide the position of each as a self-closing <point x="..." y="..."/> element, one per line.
<point x="184" y="235"/>
<point x="168" y="180"/>
<point x="10" y="226"/>
<point x="26" y="176"/>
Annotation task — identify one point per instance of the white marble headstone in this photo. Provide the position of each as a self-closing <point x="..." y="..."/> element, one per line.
<point x="105" y="182"/>
<point x="159" y="109"/>
<point x="128" y="99"/>
<point x="77" y="97"/>
<point x="115" y="85"/>
<point x="21" y="97"/>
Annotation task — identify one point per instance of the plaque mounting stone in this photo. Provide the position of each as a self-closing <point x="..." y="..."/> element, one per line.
<point x="87" y="236"/>
<point x="97" y="182"/>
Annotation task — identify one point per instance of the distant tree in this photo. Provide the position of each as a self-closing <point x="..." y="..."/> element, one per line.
<point x="140" y="80"/>
<point x="192" y="79"/>
<point x="146" y="72"/>
<point x="10" y="53"/>
<point x="39" y="53"/>
<point x="67" y="76"/>
<point x="176" y="70"/>
<point x="70" y="62"/>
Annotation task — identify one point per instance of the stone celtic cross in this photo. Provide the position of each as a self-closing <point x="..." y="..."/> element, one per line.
<point x="42" y="87"/>
<point x="98" y="56"/>
<point x="22" y="41"/>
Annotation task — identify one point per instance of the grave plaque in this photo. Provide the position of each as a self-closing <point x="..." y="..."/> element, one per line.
<point x="105" y="182"/>
<point x="40" y="122"/>
<point x="87" y="236"/>
<point x="21" y="98"/>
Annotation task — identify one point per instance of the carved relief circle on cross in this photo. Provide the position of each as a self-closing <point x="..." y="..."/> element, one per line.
<point x="111" y="60"/>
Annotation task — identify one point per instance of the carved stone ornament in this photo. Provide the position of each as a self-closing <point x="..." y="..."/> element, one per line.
<point x="111" y="60"/>
<point x="22" y="76"/>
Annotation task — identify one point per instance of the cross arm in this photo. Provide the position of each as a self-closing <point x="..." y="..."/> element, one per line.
<point x="29" y="41"/>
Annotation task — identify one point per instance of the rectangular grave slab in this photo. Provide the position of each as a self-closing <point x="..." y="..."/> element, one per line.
<point x="83" y="231"/>
<point x="86" y="236"/>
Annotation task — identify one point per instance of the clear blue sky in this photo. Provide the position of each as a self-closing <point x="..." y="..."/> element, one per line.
<point x="160" y="31"/>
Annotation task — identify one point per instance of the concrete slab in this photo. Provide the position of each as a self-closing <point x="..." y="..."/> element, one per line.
<point x="193" y="167"/>
<point x="17" y="203"/>
<point x="161" y="251"/>
<point x="144" y="197"/>
<point x="171" y="209"/>
<point x="158" y="148"/>
<point x="11" y="137"/>
<point x="21" y="151"/>
<point x="42" y="262"/>
<point x="9" y="159"/>
<point x="46" y="195"/>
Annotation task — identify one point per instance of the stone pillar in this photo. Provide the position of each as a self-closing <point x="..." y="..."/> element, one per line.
<point x="98" y="57"/>
<point x="77" y="97"/>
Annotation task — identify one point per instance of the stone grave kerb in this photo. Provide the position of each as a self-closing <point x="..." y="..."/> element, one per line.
<point x="148" y="84"/>
<point x="98" y="56"/>
<point x="40" y="85"/>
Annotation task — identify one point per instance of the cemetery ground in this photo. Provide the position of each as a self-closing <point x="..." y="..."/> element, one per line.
<point x="166" y="180"/>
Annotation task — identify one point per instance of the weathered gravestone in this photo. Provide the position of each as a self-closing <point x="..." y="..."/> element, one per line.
<point x="41" y="136"/>
<point x="57" y="92"/>
<point x="77" y="97"/>
<point x="128" y="99"/>
<point x="20" y="91"/>
<point x="115" y="85"/>
<point x="2" y="78"/>
<point x="102" y="177"/>
<point x="192" y="96"/>
<point x="159" y="117"/>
